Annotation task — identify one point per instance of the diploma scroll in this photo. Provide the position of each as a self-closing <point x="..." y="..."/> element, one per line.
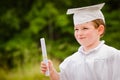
<point x="44" y="54"/>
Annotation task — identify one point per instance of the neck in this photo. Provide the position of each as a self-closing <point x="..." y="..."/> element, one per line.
<point x="91" y="46"/>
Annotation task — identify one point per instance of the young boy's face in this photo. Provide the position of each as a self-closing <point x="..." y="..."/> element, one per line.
<point x="86" y="34"/>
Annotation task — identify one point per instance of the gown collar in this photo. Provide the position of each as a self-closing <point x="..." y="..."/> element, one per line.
<point x="92" y="50"/>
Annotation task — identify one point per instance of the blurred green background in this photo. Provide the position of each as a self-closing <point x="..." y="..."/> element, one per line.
<point x="24" y="22"/>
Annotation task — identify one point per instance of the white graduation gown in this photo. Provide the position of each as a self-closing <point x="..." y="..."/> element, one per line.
<point x="101" y="63"/>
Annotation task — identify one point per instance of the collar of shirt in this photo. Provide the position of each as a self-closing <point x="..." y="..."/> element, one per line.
<point x="92" y="50"/>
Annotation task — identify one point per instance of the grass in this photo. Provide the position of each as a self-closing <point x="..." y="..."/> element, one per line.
<point x="29" y="72"/>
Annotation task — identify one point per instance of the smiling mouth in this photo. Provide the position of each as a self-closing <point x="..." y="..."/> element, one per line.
<point x="82" y="38"/>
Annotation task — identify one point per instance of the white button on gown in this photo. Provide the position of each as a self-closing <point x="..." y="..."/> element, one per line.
<point x="101" y="63"/>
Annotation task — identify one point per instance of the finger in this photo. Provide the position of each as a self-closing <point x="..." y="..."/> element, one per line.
<point x="43" y="71"/>
<point x="50" y="64"/>
<point x="43" y="67"/>
<point x="42" y="63"/>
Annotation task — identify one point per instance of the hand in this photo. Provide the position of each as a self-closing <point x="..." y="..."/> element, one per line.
<point x="45" y="67"/>
<point x="53" y="73"/>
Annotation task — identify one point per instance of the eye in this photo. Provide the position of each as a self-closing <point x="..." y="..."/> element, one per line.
<point x="85" y="28"/>
<point x="76" y="29"/>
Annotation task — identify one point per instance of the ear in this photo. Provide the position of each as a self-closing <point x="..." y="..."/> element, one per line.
<point x="101" y="29"/>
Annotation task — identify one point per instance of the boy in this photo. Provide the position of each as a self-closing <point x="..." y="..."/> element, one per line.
<point x="94" y="60"/>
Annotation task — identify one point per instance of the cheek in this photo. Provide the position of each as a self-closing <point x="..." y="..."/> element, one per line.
<point x="93" y="34"/>
<point x="89" y="33"/>
<point x="75" y="34"/>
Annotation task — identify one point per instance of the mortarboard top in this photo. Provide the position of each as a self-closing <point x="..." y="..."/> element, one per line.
<point x="86" y="14"/>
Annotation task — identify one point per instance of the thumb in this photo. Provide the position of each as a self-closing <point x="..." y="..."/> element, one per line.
<point x="50" y="64"/>
<point x="51" y="67"/>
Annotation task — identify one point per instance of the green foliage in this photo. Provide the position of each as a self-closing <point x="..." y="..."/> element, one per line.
<point x="62" y="50"/>
<point x="11" y="19"/>
<point x="112" y="29"/>
<point x="24" y="73"/>
<point x="19" y="52"/>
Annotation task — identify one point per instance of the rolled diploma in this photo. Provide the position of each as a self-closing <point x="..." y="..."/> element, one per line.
<point x="44" y="54"/>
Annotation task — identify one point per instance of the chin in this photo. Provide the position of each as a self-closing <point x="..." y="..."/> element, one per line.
<point x="83" y="44"/>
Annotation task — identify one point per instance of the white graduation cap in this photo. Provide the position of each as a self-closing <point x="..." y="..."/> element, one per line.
<point x="86" y="14"/>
